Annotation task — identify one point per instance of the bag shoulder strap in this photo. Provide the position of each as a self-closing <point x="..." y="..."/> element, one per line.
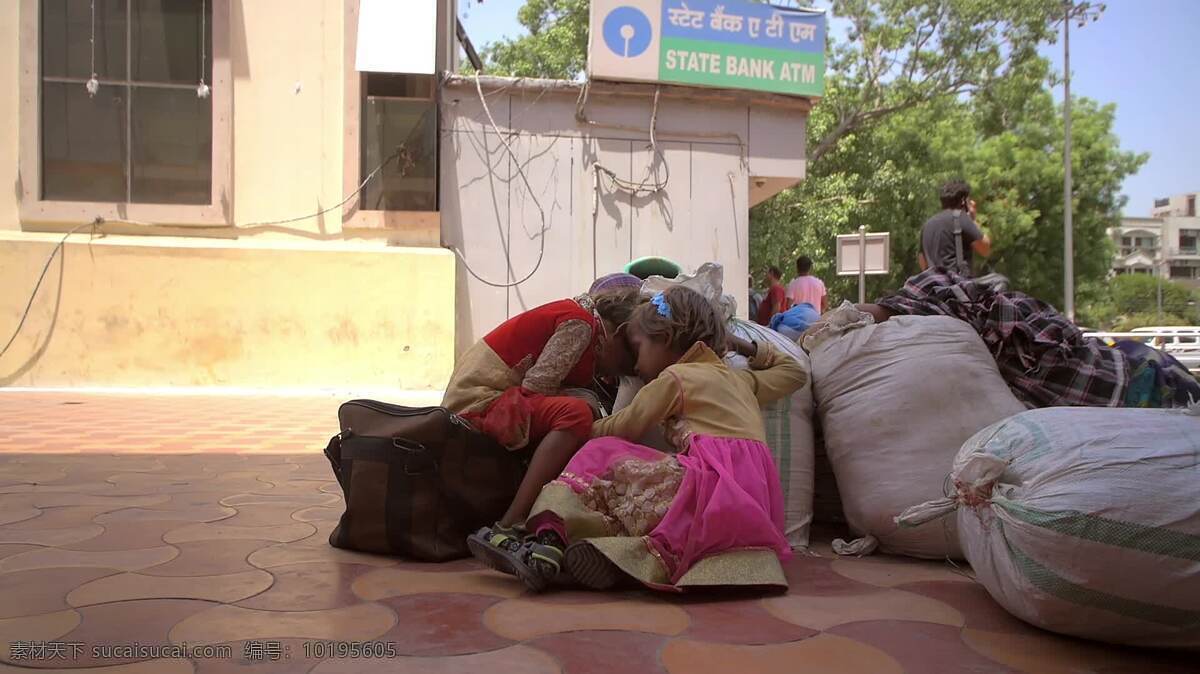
<point x="958" y="243"/>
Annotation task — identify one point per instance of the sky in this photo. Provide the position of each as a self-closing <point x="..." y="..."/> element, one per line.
<point x="1143" y="55"/>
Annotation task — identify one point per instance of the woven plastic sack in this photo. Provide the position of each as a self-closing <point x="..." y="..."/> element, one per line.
<point x="896" y="400"/>
<point x="1085" y="521"/>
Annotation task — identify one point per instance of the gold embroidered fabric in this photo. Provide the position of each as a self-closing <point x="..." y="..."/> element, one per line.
<point x="635" y="496"/>
<point x="558" y="357"/>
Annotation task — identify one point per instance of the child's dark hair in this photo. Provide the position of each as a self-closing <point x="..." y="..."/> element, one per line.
<point x="774" y="272"/>
<point x="803" y="265"/>
<point x="617" y="305"/>
<point x="689" y="319"/>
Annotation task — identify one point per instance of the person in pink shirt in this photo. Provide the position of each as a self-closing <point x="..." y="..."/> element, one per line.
<point x="806" y="288"/>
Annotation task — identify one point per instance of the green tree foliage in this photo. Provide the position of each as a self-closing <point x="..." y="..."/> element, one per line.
<point x="555" y="47"/>
<point x="922" y="91"/>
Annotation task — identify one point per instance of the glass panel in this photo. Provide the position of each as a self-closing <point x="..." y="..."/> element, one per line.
<point x="388" y="124"/>
<point x="171" y="146"/>
<point x="166" y="41"/>
<point x="83" y="143"/>
<point x="393" y="85"/>
<point x="66" y="38"/>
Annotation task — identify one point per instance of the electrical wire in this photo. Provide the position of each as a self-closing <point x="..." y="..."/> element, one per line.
<point x="37" y="286"/>
<point x="532" y="195"/>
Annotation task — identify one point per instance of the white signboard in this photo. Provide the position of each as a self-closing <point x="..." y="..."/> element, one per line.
<point x="850" y="253"/>
<point x="397" y="36"/>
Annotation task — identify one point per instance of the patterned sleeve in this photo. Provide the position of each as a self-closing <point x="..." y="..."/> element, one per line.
<point x="558" y="357"/>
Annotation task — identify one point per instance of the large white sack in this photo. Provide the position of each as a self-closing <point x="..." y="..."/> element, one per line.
<point x="1086" y="521"/>
<point x="789" y="430"/>
<point x="896" y="401"/>
<point x="790" y="436"/>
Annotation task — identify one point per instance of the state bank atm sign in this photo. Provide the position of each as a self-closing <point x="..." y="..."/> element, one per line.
<point x="728" y="44"/>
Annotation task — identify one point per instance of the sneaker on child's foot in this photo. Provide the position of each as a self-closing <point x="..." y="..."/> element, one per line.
<point x="496" y="546"/>
<point x="586" y="564"/>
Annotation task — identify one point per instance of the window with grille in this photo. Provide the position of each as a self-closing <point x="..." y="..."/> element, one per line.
<point x="146" y="133"/>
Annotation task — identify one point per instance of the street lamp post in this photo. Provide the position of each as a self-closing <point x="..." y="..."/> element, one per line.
<point x="1068" y="229"/>
<point x="1080" y="11"/>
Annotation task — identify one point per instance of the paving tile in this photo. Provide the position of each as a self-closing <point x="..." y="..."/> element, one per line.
<point x="595" y="652"/>
<point x="199" y="513"/>
<point x="226" y="588"/>
<point x="10" y="549"/>
<point x="821" y="654"/>
<point x="810" y="575"/>
<point x="298" y="499"/>
<point x="144" y="621"/>
<point x="980" y="611"/>
<point x="17" y="513"/>
<point x="222" y="531"/>
<point x="743" y="621"/>
<point x="39" y="591"/>
<point x="517" y="659"/>
<point x="441" y="624"/>
<point x="823" y="612"/>
<point x="207" y="558"/>
<point x="62" y="517"/>
<point x="260" y="515"/>
<point x="126" y="535"/>
<point x="308" y="587"/>
<point x="888" y="571"/>
<point x="921" y="647"/>
<point x="163" y="666"/>
<point x="396" y="582"/>
<point x="220" y="624"/>
<point x="55" y="536"/>
<point x="315" y="548"/>
<point x="255" y="656"/>
<point x="124" y="560"/>
<point x="520" y="619"/>
<point x="44" y="627"/>
<point x="1046" y="653"/>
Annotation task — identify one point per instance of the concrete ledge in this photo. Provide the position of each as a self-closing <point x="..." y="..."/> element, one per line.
<point x="135" y="312"/>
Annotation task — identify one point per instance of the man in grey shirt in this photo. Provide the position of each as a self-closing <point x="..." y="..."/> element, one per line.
<point x="940" y="246"/>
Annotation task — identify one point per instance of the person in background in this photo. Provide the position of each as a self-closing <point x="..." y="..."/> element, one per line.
<point x="756" y="298"/>
<point x="806" y="288"/>
<point x="950" y="238"/>
<point x="776" y="300"/>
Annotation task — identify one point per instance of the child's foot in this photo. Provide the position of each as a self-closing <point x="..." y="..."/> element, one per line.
<point x="591" y="568"/>
<point x="495" y="547"/>
<point x="536" y="563"/>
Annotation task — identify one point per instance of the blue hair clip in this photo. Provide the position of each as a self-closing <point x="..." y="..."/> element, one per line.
<point x="661" y="305"/>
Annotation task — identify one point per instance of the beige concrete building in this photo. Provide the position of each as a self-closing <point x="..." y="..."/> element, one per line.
<point x="1165" y="244"/>
<point x="210" y="175"/>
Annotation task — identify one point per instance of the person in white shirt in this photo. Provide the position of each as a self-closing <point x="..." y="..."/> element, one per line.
<point x="806" y="288"/>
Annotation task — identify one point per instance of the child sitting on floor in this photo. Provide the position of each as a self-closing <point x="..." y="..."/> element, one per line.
<point x="711" y="514"/>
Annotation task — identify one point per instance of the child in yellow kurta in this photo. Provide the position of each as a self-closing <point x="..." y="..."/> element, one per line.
<point x="710" y="514"/>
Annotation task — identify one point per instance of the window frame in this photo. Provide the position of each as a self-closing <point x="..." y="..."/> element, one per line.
<point x="36" y="212"/>
<point x="413" y="227"/>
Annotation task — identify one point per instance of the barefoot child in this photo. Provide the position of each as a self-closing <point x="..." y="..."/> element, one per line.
<point x="711" y="514"/>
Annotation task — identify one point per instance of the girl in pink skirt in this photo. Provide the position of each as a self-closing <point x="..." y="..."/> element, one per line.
<point x="710" y="514"/>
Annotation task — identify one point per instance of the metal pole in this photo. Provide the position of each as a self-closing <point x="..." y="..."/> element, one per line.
<point x="1158" y="271"/>
<point x="862" y="264"/>
<point x="1068" y="233"/>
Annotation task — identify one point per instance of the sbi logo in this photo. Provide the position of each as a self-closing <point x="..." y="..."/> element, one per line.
<point x="627" y="31"/>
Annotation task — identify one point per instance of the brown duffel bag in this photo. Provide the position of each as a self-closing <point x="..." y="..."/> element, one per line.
<point x="417" y="481"/>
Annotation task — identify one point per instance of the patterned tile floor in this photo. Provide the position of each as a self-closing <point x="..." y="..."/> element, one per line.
<point x="164" y="521"/>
